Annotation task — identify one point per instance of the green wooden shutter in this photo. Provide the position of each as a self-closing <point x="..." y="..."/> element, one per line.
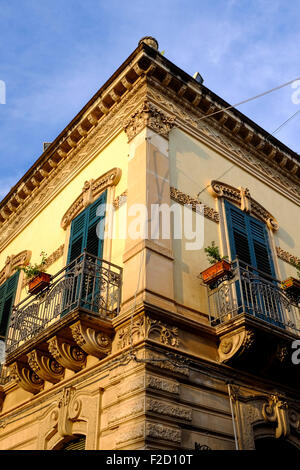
<point x="249" y="240"/>
<point x="77" y="236"/>
<point x="7" y="298"/>
<point x="95" y="229"/>
<point x="261" y="247"/>
<point x="87" y="230"/>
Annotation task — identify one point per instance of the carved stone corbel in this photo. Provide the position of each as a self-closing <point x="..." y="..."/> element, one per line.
<point x="66" y="413"/>
<point x="26" y="378"/>
<point x="276" y="411"/>
<point x="235" y="344"/>
<point x="45" y="366"/>
<point x="94" y="342"/>
<point x="68" y="355"/>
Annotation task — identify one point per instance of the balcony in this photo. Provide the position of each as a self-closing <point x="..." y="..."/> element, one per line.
<point x="256" y="322"/>
<point x="64" y="323"/>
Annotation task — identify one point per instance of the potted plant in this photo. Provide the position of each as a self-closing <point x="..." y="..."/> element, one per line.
<point x="291" y="285"/>
<point x="37" y="278"/>
<point x="220" y="267"/>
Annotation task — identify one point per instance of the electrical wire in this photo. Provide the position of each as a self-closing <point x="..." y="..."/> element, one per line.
<point x="250" y="99"/>
<point x="269" y="135"/>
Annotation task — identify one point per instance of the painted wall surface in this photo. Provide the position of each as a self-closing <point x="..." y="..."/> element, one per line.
<point x="193" y="165"/>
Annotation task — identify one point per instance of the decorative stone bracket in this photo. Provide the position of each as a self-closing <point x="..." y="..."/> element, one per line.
<point x="96" y="342"/>
<point x="236" y="344"/>
<point x="66" y="354"/>
<point x="45" y="366"/>
<point x="26" y="378"/>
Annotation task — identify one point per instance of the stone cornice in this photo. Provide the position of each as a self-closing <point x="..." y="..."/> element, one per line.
<point x="272" y="156"/>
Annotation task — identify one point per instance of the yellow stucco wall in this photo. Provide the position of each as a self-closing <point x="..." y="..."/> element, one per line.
<point x="193" y="165"/>
<point x="44" y="232"/>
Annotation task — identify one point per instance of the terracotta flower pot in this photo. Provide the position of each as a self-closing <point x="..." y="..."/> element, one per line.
<point x="291" y="283"/>
<point x="39" y="283"/>
<point x="216" y="271"/>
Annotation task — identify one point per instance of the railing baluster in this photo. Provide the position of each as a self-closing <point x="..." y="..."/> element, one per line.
<point x="256" y="294"/>
<point x="77" y="284"/>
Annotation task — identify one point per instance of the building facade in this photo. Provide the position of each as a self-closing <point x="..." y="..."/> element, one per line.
<point x="130" y="346"/>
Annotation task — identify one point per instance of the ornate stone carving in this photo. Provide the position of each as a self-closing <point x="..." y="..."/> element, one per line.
<point x="162" y="432"/>
<point x="286" y="256"/>
<point x="26" y="378"/>
<point x="182" y="198"/>
<point x="68" y="355"/>
<point x="120" y="200"/>
<point x="94" y="342"/>
<point x="168" y="409"/>
<point x="131" y="333"/>
<point x="276" y="411"/>
<point x="167" y="335"/>
<point x="67" y="412"/>
<point x="148" y="115"/>
<point x="71" y="164"/>
<point x="242" y="197"/>
<point x="91" y="190"/>
<point x="144" y="327"/>
<point x="45" y="366"/>
<point x="235" y="344"/>
<point x="163" y="385"/>
<point x="174" y="363"/>
<point x="12" y="262"/>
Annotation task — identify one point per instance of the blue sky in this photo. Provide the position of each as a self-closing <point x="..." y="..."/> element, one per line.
<point x="55" y="54"/>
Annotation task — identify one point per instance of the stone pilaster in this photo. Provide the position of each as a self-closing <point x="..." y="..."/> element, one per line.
<point x="148" y="258"/>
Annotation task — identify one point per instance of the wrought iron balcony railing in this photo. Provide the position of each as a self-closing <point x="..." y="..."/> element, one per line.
<point x="250" y="291"/>
<point x="88" y="283"/>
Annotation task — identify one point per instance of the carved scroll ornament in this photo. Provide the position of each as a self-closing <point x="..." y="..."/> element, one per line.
<point x="90" y="192"/>
<point x="241" y="197"/>
<point x="12" y="262"/>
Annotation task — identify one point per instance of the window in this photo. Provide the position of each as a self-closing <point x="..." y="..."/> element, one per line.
<point x="87" y="230"/>
<point x="249" y="240"/>
<point x="7" y="298"/>
<point x="256" y="289"/>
